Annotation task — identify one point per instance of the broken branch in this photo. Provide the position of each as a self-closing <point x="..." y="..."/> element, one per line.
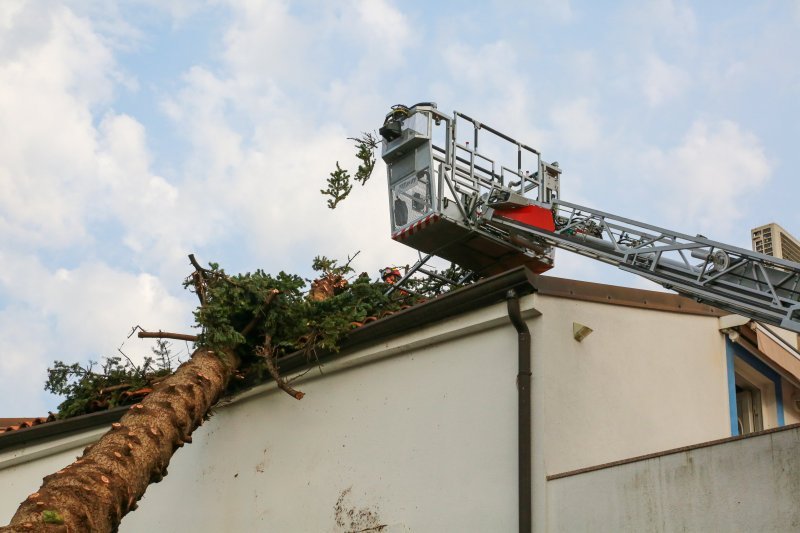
<point x="267" y="301"/>
<point x="167" y="335"/>
<point x="112" y="388"/>
<point x="196" y="265"/>
<point x="265" y="351"/>
<point x="199" y="280"/>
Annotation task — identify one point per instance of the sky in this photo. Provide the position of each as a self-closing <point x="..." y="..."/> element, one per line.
<point x="134" y="133"/>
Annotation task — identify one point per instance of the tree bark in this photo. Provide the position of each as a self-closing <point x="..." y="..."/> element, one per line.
<point x="99" y="488"/>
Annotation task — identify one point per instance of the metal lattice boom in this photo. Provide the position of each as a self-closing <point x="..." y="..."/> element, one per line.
<point x="759" y="286"/>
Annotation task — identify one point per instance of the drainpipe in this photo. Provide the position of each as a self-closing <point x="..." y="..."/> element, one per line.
<point x="523" y="411"/>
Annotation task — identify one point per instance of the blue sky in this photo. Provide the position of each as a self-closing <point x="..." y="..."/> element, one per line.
<point x="132" y="135"/>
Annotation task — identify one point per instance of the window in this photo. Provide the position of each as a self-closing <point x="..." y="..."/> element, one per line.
<point x="754" y="390"/>
<point x="748" y="407"/>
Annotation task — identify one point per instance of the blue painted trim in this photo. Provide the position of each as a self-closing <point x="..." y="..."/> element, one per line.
<point x="731" y="388"/>
<point x="759" y="365"/>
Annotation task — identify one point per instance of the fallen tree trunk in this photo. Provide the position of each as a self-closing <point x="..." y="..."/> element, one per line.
<point x="99" y="488"/>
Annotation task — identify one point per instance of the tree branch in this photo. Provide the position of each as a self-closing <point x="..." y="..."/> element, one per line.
<point x="267" y="301"/>
<point x="195" y="264"/>
<point x="199" y="280"/>
<point x="112" y="388"/>
<point x="265" y="351"/>
<point x="166" y="335"/>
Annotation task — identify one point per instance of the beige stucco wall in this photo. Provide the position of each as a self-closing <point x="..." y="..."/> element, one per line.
<point x="791" y="396"/>
<point x="643" y="381"/>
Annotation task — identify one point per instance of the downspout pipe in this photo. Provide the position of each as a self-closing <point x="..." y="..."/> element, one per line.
<point x="523" y="412"/>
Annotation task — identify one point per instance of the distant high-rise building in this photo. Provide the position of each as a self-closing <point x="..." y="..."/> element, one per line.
<point x="771" y="239"/>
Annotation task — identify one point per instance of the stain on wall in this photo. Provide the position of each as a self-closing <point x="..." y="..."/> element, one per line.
<point x="353" y="519"/>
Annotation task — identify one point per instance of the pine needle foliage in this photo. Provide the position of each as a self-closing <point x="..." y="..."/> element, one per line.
<point x="247" y="310"/>
<point x="339" y="186"/>
<point x="85" y="386"/>
<point x="365" y="152"/>
<point x="432" y="286"/>
<point x="340" y="181"/>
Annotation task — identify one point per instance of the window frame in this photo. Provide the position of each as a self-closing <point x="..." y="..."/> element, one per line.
<point x="750" y="366"/>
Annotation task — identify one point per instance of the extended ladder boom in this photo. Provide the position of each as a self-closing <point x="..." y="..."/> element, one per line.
<point x="755" y="285"/>
<point x="465" y="192"/>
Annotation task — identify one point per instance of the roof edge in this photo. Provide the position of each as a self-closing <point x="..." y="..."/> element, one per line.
<point x="475" y="296"/>
<point x="485" y="292"/>
<point x="625" y="296"/>
<point x="60" y="428"/>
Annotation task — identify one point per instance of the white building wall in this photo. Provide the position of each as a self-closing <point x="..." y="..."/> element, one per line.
<point x="418" y="441"/>
<point x="415" y="434"/>
<point x="22" y="469"/>
<point x="419" y="432"/>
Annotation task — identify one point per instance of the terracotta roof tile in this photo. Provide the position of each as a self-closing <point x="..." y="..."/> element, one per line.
<point x="13" y="424"/>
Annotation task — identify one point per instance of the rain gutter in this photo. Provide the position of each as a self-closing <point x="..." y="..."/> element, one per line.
<point x="524" y="442"/>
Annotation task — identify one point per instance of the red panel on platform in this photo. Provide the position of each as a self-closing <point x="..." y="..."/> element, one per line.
<point x="532" y="215"/>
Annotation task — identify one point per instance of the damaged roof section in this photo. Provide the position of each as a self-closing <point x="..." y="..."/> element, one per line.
<point x="471" y="297"/>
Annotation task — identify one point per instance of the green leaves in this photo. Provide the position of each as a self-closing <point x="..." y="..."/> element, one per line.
<point x="291" y="320"/>
<point x="365" y="146"/>
<point x="331" y="266"/>
<point x="82" y="386"/>
<point x="339" y="182"/>
<point x="432" y="286"/>
<point x="247" y="312"/>
<point x="339" y="186"/>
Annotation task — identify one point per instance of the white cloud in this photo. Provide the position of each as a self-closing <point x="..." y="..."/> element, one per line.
<point x="26" y="354"/>
<point x="266" y="42"/>
<point x="178" y="10"/>
<point x="49" y="82"/>
<point x="674" y="16"/>
<point x="383" y="30"/>
<point x="670" y="23"/>
<point x="492" y="81"/>
<point x="267" y="184"/>
<point x="708" y="178"/>
<point x="577" y="124"/>
<point x="662" y="82"/>
<point x="71" y="315"/>
<point x="70" y="168"/>
<point x="569" y="265"/>
<point x="92" y="305"/>
<point x="260" y="156"/>
<point x="560" y="9"/>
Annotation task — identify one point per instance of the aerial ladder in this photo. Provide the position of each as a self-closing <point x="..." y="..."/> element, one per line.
<point x="463" y="191"/>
